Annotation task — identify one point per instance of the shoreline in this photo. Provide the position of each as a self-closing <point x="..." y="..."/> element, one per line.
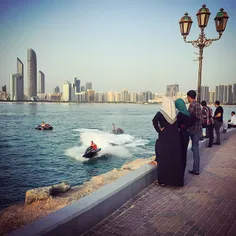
<point x="19" y="214"/>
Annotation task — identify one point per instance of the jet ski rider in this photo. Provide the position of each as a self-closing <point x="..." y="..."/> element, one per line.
<point x="93" y="145"/>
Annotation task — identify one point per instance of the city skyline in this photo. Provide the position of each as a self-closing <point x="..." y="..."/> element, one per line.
<point x="115" y="45"/>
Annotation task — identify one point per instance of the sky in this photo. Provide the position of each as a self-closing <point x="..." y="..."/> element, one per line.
<point x="115" y="44"/>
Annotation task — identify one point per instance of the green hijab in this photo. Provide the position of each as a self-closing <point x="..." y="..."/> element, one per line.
<point x="180" y="105"/>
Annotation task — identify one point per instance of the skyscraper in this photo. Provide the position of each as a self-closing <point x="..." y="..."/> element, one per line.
<point x="16" y="87"/>
<point x="227" y="99"/>
<point x="4" y="88"/>
<point x="212" y="96"/>
<point x="88" y="85"/>
<point x="20" y="70"/>
<point x="205" y="93"/>
<point x="32" y="73"/>
<point x="67" y="91"/>
<point x="220" y="93"/>
<point x="234" y="93"/>
<point x="41" y="85"/>
<point x="77" y="85"/>
<point x="172" y="90"/>
<point x="83" y="89"/>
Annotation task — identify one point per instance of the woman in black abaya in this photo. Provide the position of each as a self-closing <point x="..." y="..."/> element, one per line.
<point x="170" y="164"/>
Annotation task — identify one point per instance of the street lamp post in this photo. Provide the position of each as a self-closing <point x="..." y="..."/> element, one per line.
<point x="203" y="16"/>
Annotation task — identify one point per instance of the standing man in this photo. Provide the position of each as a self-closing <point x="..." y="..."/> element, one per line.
<point x="195" y="130"/>
<point x="218" y="121"/>
<point x="207" y="122"/>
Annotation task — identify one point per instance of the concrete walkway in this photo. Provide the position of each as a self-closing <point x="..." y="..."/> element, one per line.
<point x="205" y="206"/>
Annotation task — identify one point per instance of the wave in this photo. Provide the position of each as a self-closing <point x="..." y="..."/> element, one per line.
<point x="123" y="145"/>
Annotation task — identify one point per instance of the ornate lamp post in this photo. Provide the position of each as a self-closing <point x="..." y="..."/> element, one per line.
<point x="202" y="42"/>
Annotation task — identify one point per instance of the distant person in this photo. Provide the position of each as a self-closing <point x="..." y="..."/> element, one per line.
<point x="183" y="118"/>
<point x="208" y="122"/>
<point x="195" y="130"/>
<point x="218" y="121"/>
<point x="43" y="124"/>
<point x="232" y="121"/>
<point x="170" y="164"/>
<point x="93" y="145"/>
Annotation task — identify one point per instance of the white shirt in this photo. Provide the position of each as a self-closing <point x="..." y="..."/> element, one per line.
<point x="233" y="120"/>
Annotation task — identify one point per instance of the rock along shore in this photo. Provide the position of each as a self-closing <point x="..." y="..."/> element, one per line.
<point x="18" y="215"/>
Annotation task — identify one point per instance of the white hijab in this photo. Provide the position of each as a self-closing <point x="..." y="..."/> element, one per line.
<point x="168" y="110"/>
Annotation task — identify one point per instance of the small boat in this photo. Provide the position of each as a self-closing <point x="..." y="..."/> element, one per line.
<point x="90" y="152"/>
<point x="117" y="131"/>
<point x="45" y="127"/>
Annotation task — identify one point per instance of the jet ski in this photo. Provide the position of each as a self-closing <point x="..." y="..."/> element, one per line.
<point x="90" y="152"/>
<point x="45" y="127"/>
<point x="117" y="130"/>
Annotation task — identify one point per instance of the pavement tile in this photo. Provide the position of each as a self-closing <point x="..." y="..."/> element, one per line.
<point x="205" y="206"/>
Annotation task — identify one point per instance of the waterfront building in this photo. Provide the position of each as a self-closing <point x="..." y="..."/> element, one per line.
<point x="227" y="98"/>
<point x="124" y="95"/>
<point x="16" y="87"/>
<point x="212" y="97"/>
<point x="90" y="95"/>
<point x="117" y="96"/>
<point x="41" y="85"/>
<point x="219" y="93"/>
<point x="140" y="98"/>
<point x="172" y="90"/>
<point x="88" y="86"/>
<point x="99" y="97"/>
<point x="133" y="97"/>
<point x="67" y="91"/>
<point x="77" y="85"/>
<point x="4" y="88"/>
<point x="83" y="89"/>
<point x="205" y="93"/>
<point x="32" y="73"/>
<point x="20" y="70"/>
<point x="234" y="93"/>
<point x="56" y="89"/>
<point x="110" y="96"/>
<point x="147" y="96"/>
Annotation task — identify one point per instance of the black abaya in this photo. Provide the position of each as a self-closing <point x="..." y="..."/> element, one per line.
<point x="183" y="124"/>
<point x="170" y="164"/>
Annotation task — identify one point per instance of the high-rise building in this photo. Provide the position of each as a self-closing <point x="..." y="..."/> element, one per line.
<point x="41" y="85"/>
<point x="124" y="95"/>
<point x="133" y="97"/>
<point x="147" y="96"/>
<point x="16" y="87"/>
<point x="227" y="98"/>
<point x="57" y="89"/>
<point x="77" y="85"/>
<point x="172" y="90"/>
<point x="67" y="91"/>
<point x="4" y="88"/>
<point x="99" y="97"/>
<point x="73" y="90"/>
<point x="234" y="93"/>
<point x="83" y="89"/>
<point x="88" y="85"/>
<point x="212" y="97"/>
<point x="20" y="70"/>
<point x="90" y="95"/>
<point x="32" y="73"/>
<point x="110" y="96"/>
<point x="219" y="93"/>
<point x="205" y="93"/>
<point x="117" y="97"/>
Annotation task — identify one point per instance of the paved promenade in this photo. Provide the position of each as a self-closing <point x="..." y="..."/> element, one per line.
<point x="205" y="206"/>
